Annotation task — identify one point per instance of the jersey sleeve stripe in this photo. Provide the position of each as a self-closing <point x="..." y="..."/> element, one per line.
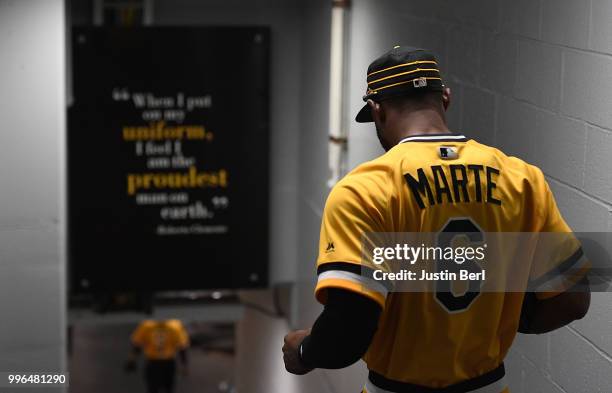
<point x="569" y="262"/>
<point x="567" y="279"/>
<point x="345" y="266"/>
<point x="365" y="282"/>
<point x="570" y="265"/>
<point x="562" y="283"/>
<point x="364" y="272"/>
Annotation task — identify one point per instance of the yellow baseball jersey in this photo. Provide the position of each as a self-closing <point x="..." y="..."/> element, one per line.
<point x="160" y="340"/>
<point x="421" y="185"/>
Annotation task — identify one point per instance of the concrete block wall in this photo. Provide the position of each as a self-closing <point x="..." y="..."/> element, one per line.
<point x="533" y="78"/>
<point x="32" y="225"/>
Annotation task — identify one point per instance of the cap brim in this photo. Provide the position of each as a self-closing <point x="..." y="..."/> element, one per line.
<point x="364" y="115"/>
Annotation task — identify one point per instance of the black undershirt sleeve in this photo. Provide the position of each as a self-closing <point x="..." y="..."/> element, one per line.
<point x="531" y="302"/>
<point x="343" y="332"/>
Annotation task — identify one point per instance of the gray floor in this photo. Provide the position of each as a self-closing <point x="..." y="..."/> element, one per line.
<point x="99" y="352"/>
<point x="247" y="355"/>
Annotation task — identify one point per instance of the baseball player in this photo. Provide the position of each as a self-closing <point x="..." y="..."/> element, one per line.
<point x="161" y="342"/>
<point x="432" y="180"/>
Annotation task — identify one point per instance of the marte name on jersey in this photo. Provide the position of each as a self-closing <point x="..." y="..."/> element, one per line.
<point x="454" y="184"/>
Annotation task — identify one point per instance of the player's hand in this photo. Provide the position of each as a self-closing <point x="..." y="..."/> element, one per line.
<point x="130" y="366"/>
<point x="291" y="355"/>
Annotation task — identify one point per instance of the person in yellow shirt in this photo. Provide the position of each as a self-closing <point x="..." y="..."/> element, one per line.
<point x="431" y="180"/>
<point x="161" y="342"/>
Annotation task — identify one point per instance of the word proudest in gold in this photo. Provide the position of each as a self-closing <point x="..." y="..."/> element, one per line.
<point x="176" y="180"/>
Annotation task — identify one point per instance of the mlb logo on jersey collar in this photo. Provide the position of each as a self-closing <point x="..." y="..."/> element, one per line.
<point x="448" y="152"/>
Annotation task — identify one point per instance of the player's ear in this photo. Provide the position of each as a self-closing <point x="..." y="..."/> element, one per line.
<point x="446" y="97"/>
<point x="377" y="112"/>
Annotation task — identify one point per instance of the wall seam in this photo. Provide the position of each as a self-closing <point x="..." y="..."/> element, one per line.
<point x="590" y="197"/>
<point x="594" y="52"/>
<point x="543" y="373"/>
<point x="590" y="26"/>
<point x="597" y="349"/>
<point x="584" y="156"/>
<point x="562" y="83"/>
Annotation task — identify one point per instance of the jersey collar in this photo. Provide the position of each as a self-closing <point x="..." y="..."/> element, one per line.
<point x="435" y="138"/>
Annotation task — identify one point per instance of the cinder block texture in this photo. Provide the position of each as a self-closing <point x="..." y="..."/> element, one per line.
<point x="536" y="381"/>
<point x="534" y="348"/>
<point x="517" y="123"/>
<point x="566" y="22"/>
<point x="582" y="213"/>
<point x="479" y="115"/>
<point x="596" y="326"/>
<point x="464" y="54"/>
<point x="485" y="14"/>
<point x="559" y="147"/>
<point x="539" y="74"/>
<point x="586" y="87"/>
<point x="598" y="182"/>
<point x="521" y="17"/>
<point x="577" y="365"/>
<point x="601" y="28"/>
<point x="498" y="63"/>
<point x="453" y="114"/>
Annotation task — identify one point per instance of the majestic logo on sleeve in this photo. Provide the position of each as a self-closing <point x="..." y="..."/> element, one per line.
<point x="330" y="247"/>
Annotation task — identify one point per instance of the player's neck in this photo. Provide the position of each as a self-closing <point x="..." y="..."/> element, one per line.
<point x="422" y="122"/>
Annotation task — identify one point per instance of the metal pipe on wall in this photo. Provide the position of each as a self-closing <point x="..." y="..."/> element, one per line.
<point x="337" y="122"/>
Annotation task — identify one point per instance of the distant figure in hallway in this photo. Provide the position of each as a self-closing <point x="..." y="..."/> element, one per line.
<point x="161" y="342"/>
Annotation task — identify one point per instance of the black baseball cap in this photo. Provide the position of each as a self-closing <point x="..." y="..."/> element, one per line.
<point x="401" y="71"/>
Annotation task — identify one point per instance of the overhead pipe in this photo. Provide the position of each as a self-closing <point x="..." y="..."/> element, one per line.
<point x="337" y="122"/>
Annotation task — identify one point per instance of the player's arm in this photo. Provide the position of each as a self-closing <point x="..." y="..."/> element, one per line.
<point x="343" y="332"/>
<point x="183" y="358"/>
<point x="559" y="278"/>
<point x="544" y="315"/>
<point x="353" y="302"/>
<point x="340" y="336"/>
<point x="133" y="355"/>
<point x="183" y="362"/>
<point x="183" y="342"/>
<point x="137" y="341"/>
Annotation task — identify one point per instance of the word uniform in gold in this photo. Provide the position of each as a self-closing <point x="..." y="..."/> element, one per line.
<point x="426" y="184"/>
